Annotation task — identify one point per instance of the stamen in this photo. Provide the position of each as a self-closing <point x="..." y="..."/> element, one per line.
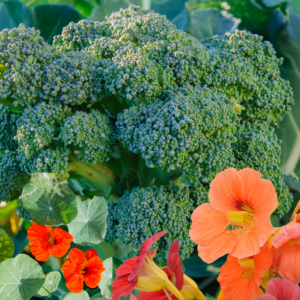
<point x="51" y="241"/>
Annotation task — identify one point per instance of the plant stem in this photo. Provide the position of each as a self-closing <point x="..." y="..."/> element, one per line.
<point x="167" y="294"/>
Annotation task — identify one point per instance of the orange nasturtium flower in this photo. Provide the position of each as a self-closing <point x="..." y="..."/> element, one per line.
<point x="240" y="279"/>
<point x="239" y="199"/>
<point x="187" y="287"/>
<point x="45" y="241"/>
<point x="82" y="267"/>
<point x="287" y="244"/>
<point x="141" y="273"/>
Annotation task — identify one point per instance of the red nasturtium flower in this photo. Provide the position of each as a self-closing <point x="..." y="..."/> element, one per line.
<point x="45" y="241"/>
<point x="141" y="273"/>
<point x="281" y="289"/>
<point x="240" y="279"/>
<point x="187" y="287"/>
<point x="82" y="267"/>
<point x="287" y="244"/>
<point x="240" y="199"/>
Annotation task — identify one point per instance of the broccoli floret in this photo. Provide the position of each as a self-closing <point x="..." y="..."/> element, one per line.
<point x="168" y="132"/>
<point x="8" y="128"/>
<point x="92" y="132"/>
<point x="24" y="53"/>
<point x="12" y="179"/>
<point x="38" y="126"/>
<point x="141" y="212"/>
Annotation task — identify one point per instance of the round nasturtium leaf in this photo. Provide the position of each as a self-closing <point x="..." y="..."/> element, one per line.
<point x="50" y="200"/>
<point x="7" y="246"/>
<point x="81" y="296"/>
<point x="89" y="228"/>
<point x="51" y="283"/>
<point x="20" y="278"/>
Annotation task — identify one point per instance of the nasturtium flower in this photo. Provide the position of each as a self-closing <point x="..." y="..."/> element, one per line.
<point x="237" y="219"/>
<point x="240" y="279"/>
<point x="82" y="267"/>
<point x="287" y="244"/>
<point x="46" y="242"/>
<point x="281" y="289"/>
<point x="187" y="287"/>
<point x="141" y="273"/>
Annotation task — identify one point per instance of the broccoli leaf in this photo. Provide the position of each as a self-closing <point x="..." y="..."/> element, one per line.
<point x="90" y="225"/>
<point x="82" y="296"/>
<point x="7" y="246"/>
<point x="111" y="264"/>
<point x="50" y="200"/>
<point x="20" y="278"/>
<point x="51" y="283"/>
<point x="211" y="21"/>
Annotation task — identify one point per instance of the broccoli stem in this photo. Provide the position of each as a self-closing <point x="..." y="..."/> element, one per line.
<point x="97" y="176"/>
<point x="8" y="101"/>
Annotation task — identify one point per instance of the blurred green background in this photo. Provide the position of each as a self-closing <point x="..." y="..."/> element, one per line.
<point x="276" y="20"/>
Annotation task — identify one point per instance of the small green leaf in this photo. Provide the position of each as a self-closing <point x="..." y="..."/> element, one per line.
<point x="111" y="264"/>
<point x="20" y="278"/>
<point x="50" y="200"/>
<point x="51" y="283"/>
<point x="116" y="249"/>
<point x="81" y="296"/>
<point x="7" y="246"/>
<point x="130" y="179"/>
<point x="211" y="21"/>
<point x="90" y="225"/>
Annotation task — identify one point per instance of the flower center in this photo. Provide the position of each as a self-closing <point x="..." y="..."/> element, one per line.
<point x="248" y="275"/>
<point x="83" y="270"/>
<point x="241" y="220"/>
<point x="51" y="241"/>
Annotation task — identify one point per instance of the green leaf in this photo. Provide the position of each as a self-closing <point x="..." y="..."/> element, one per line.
<point x="109" y="6"/>
<point x="51" y="283"/>
<point x="7" y="246"/>
<point x="50" y="26"/>
<point x="116" y="249"/>
<point x="20" y="278"/>
<point x="81" y="296"/>
<point x="273" y="3"/>
<point x="195" y="267"/>
<point x="211" y="21"/>
<point x="111" y="264"/>
<point x="50" y="200"/>
<point x="90" y="225"/>
<point x="130" y="179"/>
<point x="12" y="13"/>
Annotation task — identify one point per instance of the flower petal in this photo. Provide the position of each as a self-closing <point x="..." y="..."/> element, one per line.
<point x="222" y="245"/>
<point x="123" y="287"/>
<point x="283" y="289"/>
<point x="289" y="264"/>
<point x="263" y="260"/>
<point x="39" y="252"/>
<point x="143" y="252"/>
<point x="249" y="242"/>
<point x="94" y="268"/>
<point x="177" y="271"/>
<point x="90" y="254"/>
<point x="227" y="191"/>
<point x="259" y="194"/>
<point x="287" y="233"/>
<point x="69" y="269"/>
<point x="207" y="224"/>
<point x="267" y="297"/>
<point x="75" y="284"/>
<point x="38" y="234"/>
<point x="159" y="295"/>
<point x="127" y="266"/>
<point x="76" y="257"/>
<point x="63" y="240"/>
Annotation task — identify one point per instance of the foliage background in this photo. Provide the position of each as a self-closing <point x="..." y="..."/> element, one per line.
<point x="276" y="20"/>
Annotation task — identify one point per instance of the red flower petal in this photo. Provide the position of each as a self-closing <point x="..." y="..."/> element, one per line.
<point x="90" y="254"/>
<point x="123" y="287"/>
<point x="75" y="284"/>
<point x="127" y="266"/>
<point x="76" y="257"/>
<point x="94" y="268"/>
<point x="174" y="264"/>
<point x="63" y="240"/>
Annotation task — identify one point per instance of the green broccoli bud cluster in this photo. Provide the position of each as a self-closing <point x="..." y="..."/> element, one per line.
<point x="168" y="132"/>
<point x="8" y="125"/>
<point x="12" y="178"/>
<point x="24" y="53"/>
<point x="142" y="212"/>
<point x="50" y="160"/>
<point x="92" y="132"/>
<point x="247" y="71"/>
<point x="21" y="212"/>
<point x="37" y="126"/>
<point x="70" y="79"/>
